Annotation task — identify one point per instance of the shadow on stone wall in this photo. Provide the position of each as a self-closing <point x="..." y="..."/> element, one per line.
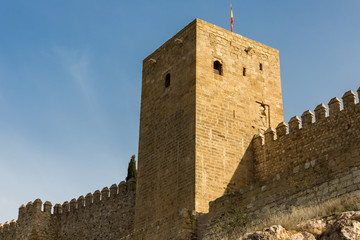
<point x="244" y="174"/>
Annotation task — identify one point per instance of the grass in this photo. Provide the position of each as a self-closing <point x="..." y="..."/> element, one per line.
<point x="296" y="215"/>
<point x="233" y="224"/>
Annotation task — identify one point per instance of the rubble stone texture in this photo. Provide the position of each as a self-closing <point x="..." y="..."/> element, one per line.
<point x="91" y="217"/>
<point x="212" y="131"/>
<point x="339" y="227"/>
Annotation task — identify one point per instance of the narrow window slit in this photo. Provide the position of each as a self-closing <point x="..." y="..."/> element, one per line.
<point x="167" y="80"/>
<point x="244" y="71"/>
<point x="217" y="67"/>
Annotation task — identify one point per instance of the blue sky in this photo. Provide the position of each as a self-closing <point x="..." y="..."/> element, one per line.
<point x="70" y="79"/>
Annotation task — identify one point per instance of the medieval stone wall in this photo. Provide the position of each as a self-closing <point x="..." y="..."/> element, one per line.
<point x="108" y="214"/>
<point x="232" y="105"/>
<point x="180" y="225"/>
<point x="166" y="165"/>
<point x="196" y="126"/>
<point x="321" y="139"/>
<point x="321" y="162"/>
<point x="308" y="186"/>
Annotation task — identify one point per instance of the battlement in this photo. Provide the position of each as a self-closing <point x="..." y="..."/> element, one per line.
<point x="304" y="163"/>
<point x="108" y="209"/>
<point x="307" y="118"/>
<point x="121" y="191"/>
<point x="303" y="139"/>
<point x="309" y="183"/>
<point x="8" y="227"/>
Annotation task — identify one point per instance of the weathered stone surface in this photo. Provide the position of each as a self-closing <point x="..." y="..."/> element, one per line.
<point x="273" y="232"/>
<point x="344" y="226"/>
<point x="316" y="226"/>
<point x="340" y="227"/>
<point x="277" y="232"/>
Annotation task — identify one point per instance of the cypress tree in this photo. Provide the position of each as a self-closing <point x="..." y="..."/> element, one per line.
<point x="132" y="172"/>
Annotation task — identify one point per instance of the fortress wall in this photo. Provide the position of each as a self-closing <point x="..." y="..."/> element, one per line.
<point x="179" y="225"/>
<point x="7" y="230"/>
<point x="166" y="161"/>
<point x="108" y="214"/>
<point x="323" y="164"/>
<point x="230" y="108"/>
<point x="328" y="137"/>
<point x="32" y="223"/>
<point x="306" y="184"/>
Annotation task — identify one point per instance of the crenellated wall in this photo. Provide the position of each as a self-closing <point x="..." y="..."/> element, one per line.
<point x="305" y="166"/>
<point x="327" y="137"/>
<point x="108" y="214"/>
<point x="7" y="230"/>
<point x="306" y="184"/>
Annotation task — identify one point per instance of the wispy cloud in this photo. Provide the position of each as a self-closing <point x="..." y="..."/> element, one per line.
<point x="77" y="63"/>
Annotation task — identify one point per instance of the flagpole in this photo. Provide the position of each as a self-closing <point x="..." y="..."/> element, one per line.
<point x="231" y="18"/>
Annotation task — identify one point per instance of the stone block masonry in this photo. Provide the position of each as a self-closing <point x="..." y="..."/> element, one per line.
<point x="330" y="137"/>
<point x="243" y="100"/>
<point x="177" y="226"/>
<point x="205" y="93"/>
<point x="108" y="214"/>
<point x="166" y="162"/>
<point x="307" y="166"/>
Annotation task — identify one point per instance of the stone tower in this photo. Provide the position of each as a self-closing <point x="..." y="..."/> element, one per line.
<point x="205" y="93"/>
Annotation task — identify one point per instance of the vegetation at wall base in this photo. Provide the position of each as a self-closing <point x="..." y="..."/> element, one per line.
<point x="234" y="225"/>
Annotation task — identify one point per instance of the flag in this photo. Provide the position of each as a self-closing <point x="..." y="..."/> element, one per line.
<point x="231" y="18"/>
